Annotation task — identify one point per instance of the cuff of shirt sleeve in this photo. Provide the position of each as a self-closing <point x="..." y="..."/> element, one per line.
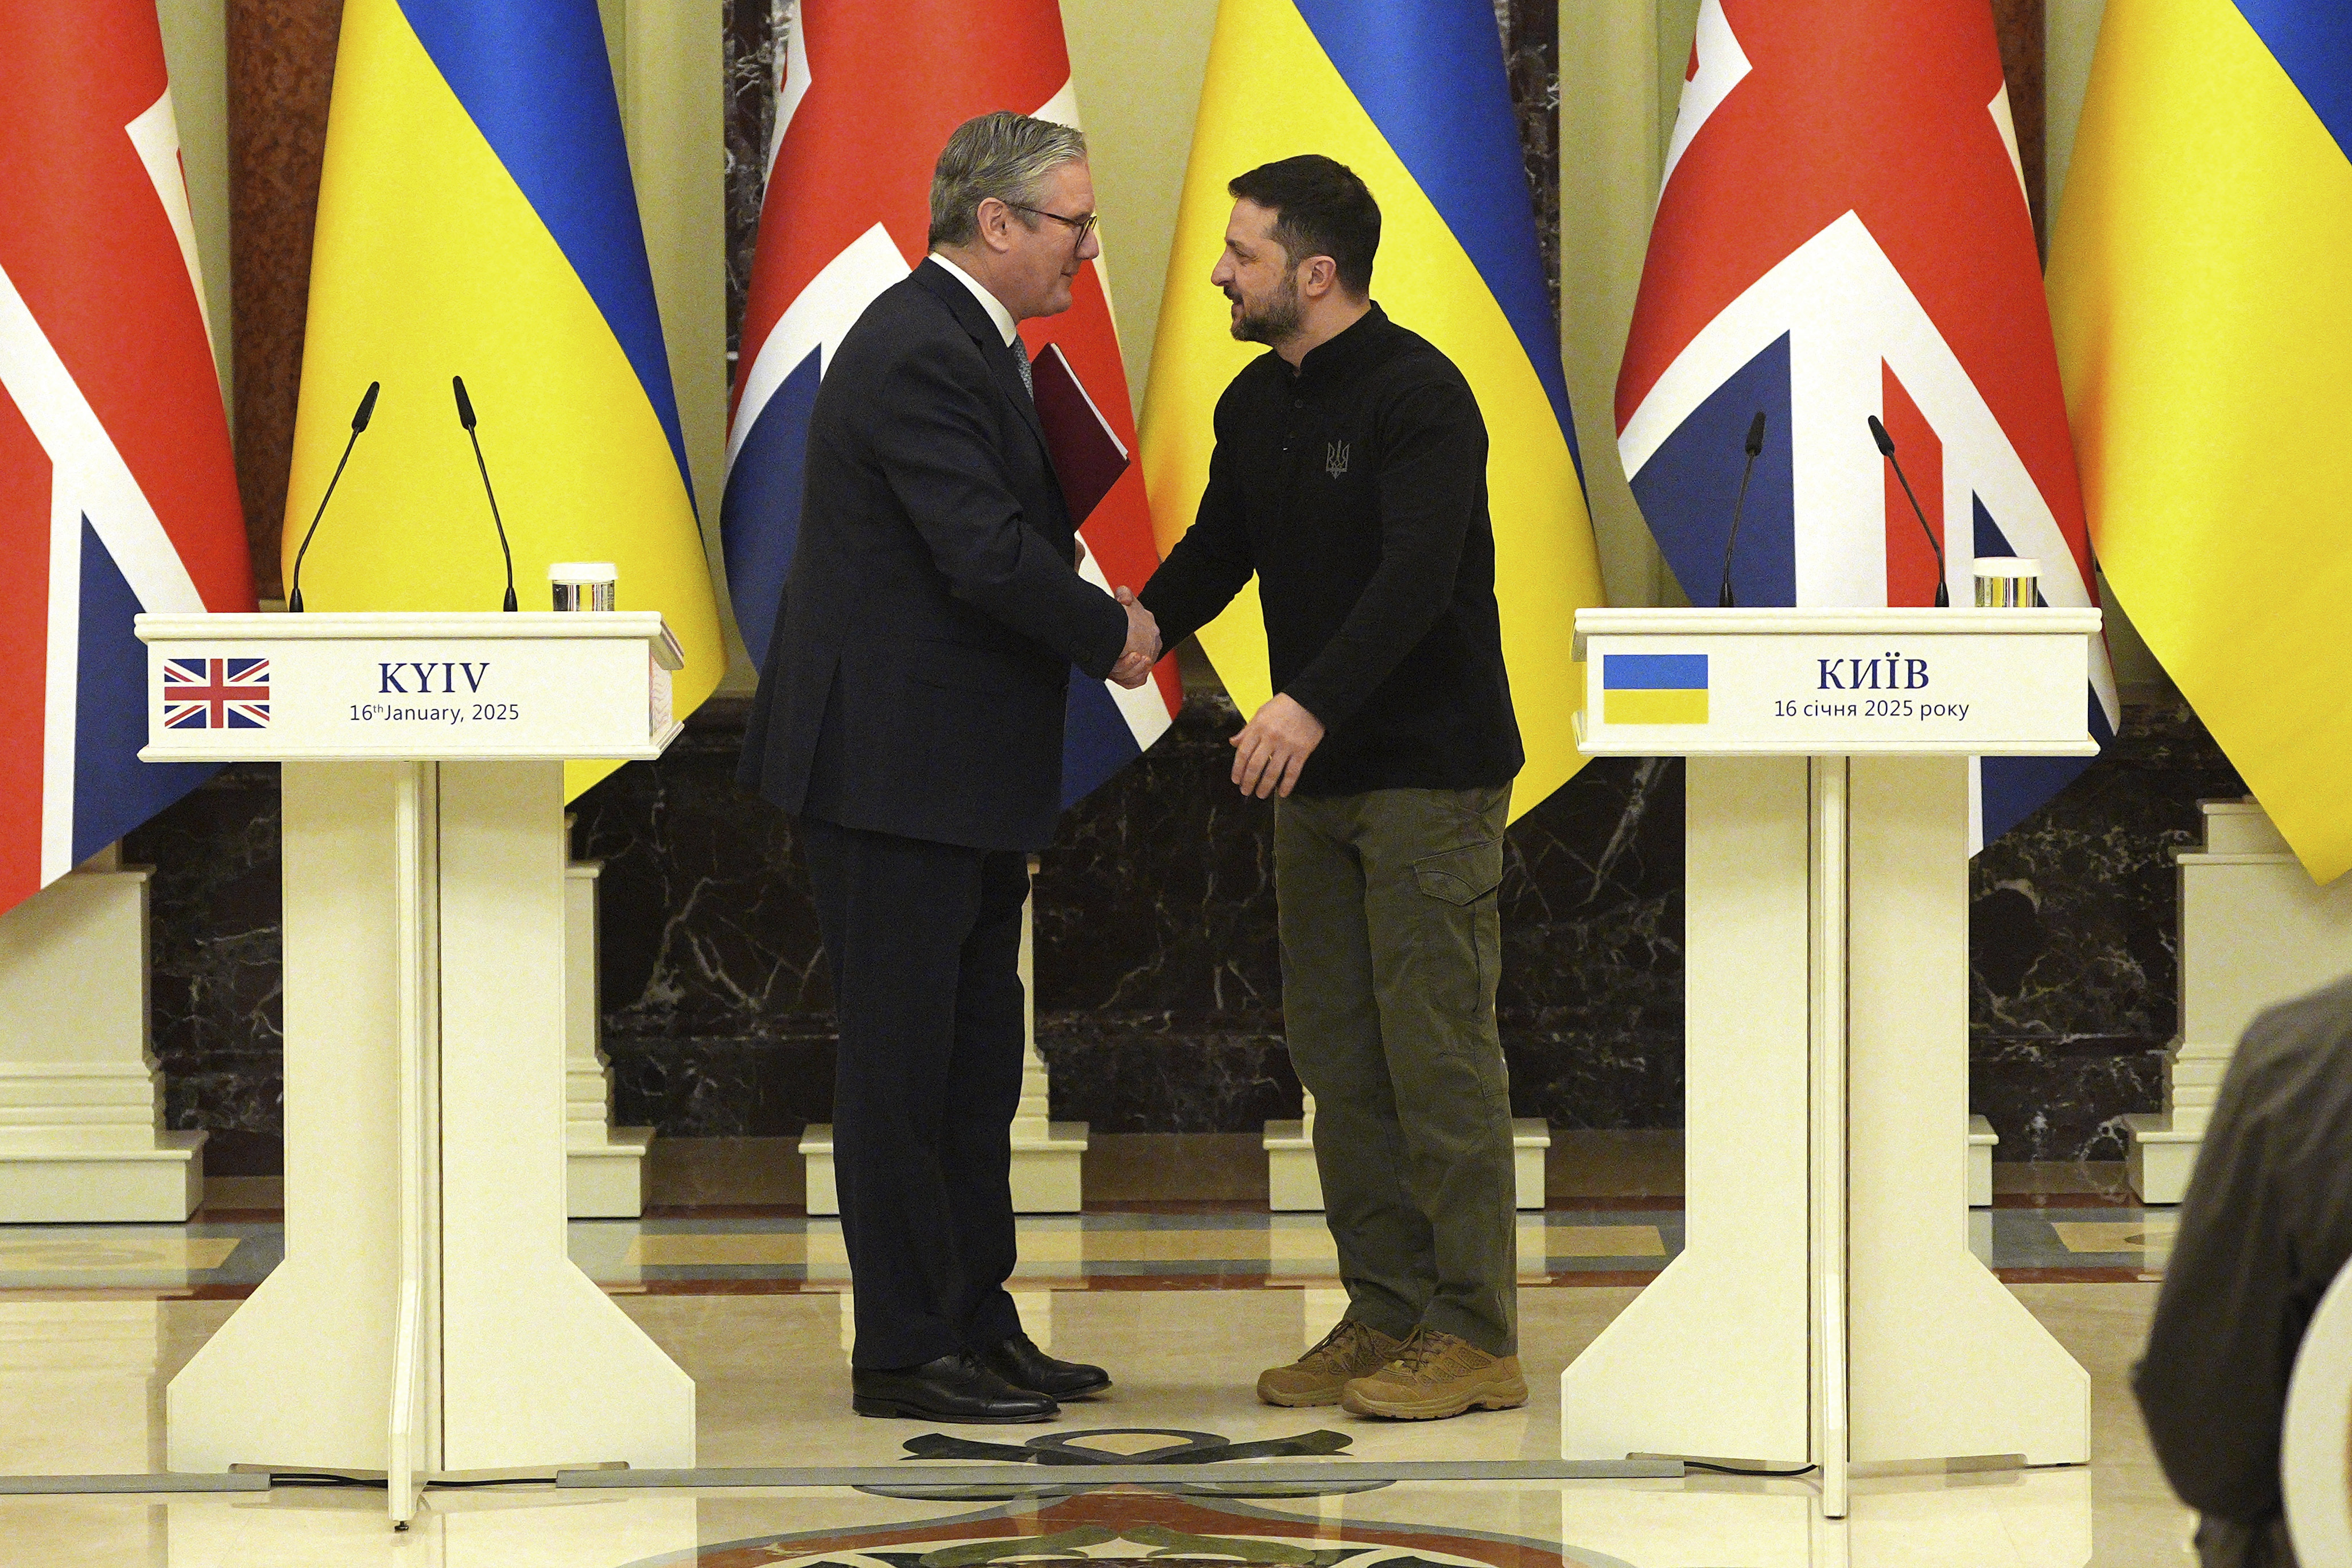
<point x="1103" y="649"/>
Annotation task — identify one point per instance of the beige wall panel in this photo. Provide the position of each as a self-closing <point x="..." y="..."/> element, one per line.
<point x="195" y="47"/>
<point x="2071" y="34"/>
<point x="668" y="66"/>
<point x="1615" y="114"/>
<point x="1137" y="65"/>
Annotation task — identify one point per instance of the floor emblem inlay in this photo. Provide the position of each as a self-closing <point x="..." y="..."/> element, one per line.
<point x="1146" y="1529"/>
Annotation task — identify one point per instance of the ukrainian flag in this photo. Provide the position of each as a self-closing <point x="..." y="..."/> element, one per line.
<point x="475" y="218"/>
<point x="1410" y="94"/>
<point x="1653" y="688"/>
<point x="2200" y="282"/>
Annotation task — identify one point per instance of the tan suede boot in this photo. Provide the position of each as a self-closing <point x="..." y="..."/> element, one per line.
<point x="1348" y="1351"/>
<point x="1435" y="1374"/>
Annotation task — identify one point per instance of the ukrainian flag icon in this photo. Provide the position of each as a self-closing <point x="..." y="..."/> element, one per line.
<point x="1653" y="688"/>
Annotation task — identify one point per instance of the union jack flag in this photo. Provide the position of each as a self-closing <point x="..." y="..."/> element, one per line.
<point x="216" y="694"/>
<point x="117" y="490"/>
<point x="1844" y="232"/>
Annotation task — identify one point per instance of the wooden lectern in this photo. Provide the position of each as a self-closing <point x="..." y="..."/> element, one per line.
<point x="1826" y="1309"/>
<point x="426" y="1318"/>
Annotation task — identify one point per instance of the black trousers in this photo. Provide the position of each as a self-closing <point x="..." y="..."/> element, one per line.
<point x="924" y="942"/>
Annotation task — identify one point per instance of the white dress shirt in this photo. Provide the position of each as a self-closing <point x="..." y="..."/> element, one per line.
<point x="987" y="301"/>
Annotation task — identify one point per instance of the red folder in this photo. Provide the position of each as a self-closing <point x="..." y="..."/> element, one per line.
<point x="1088" y="457"/>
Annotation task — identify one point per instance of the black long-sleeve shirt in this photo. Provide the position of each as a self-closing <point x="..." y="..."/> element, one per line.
<point x="2266" y="1224"/>
<point x="1355" y="490"/>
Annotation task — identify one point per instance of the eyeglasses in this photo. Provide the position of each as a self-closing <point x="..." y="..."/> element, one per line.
<point x="1084" y="222"/>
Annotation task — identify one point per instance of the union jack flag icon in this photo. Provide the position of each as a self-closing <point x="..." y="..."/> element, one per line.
<point x="215" y="694"/>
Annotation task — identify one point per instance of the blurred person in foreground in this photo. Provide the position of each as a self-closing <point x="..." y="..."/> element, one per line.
<point x="2265" y="1227"/>
<point x="1349" y="478"/>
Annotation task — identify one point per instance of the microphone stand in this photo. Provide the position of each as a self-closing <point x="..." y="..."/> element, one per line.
<point x="359" y="423"/>
<point x="1886" y="449"/>
<point x="1723" y="599"/>
<point x="466" y="417"/>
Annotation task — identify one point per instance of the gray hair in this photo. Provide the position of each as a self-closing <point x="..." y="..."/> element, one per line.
<point x="1005" y="155"/>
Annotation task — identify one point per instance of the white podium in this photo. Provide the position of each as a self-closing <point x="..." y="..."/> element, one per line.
<point x="1826" y="1309"/>
<point x="426" y="1318"/>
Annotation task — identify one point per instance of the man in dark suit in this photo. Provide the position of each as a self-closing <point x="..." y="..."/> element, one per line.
<point x="911" y="715"/>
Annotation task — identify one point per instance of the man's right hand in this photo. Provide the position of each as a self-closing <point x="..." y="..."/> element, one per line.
<point x="1142" y="651"/>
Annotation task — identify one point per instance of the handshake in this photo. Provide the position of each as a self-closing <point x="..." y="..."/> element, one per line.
<point x="1142" y="651"/>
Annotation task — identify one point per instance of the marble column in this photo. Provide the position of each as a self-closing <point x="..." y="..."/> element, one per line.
<point x="81" y="1137"/>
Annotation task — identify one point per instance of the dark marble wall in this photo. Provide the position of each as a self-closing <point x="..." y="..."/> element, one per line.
<point x="1158" y="989"/>
<point x="756" y="33"/>
<point x="2074" y="942"/>
<point x="1158" y="985"/>
<point x="214" y="966"/>
<point x="1530" y="31"/>
<point x="2018" y="24"/>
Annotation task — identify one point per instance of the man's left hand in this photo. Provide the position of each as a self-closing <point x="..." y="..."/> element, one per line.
<point x="1273" y="747"/>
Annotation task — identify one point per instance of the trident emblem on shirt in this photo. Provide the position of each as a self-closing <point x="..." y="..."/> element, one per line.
<point x="1335" y="459"/>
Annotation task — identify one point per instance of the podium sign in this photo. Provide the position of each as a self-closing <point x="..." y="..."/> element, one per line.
<point x="1848" y="682"/>
<point x="489" y="686"/>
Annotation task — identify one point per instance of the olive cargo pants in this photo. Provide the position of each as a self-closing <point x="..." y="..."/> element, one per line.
<point x="1391" y="943"/>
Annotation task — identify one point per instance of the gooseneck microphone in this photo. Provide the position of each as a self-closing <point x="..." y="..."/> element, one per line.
<point x="1887" y="450"/>
<point x="359" y="423"/>
<point x="1755" y="447"/>
<point x="466" y="417"/>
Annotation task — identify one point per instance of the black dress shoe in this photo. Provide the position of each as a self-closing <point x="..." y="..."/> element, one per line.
<point x="954" y="1388"/>
<point x="1018" y="1360"/>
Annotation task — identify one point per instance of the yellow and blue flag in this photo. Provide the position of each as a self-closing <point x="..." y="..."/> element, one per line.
<point x="1412" y="95"/>
<point x="476" y="219"/>
<point x="1653" y="688"/>
<point x="2200" y="283"/>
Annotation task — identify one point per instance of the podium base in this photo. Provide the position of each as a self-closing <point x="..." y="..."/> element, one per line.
<point x="2158" y="1160"/>
<point x="1982" y="1141"/>
<point x="607" y="1180"/>
<point x="161" y="1186"/>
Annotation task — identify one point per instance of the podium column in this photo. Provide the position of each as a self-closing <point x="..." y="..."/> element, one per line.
<point x="1945" y="1361"/>
<point x="1826" y="1306"/>
<point x="302" y="1374"/>
<point x="539" y="1365"/>
<point x="427" y="1317"/>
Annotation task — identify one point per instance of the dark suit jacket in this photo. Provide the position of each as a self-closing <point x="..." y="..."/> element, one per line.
<point x="920" y="667"/>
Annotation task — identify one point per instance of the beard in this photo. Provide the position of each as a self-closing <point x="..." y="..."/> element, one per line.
<point x="1272" y="322"/>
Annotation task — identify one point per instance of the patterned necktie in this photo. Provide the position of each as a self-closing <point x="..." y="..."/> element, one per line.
<point x="1021" y="358"/>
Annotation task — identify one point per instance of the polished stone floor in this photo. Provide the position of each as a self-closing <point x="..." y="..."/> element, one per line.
<point x="1184" y="1303"/>
<point x="1180" y="1248"/>
<point x="2035" y="1520"/>
<point x="81" y="1379"/>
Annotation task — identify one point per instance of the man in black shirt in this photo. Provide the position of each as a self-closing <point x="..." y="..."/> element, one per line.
<point x="1350" y="476"/>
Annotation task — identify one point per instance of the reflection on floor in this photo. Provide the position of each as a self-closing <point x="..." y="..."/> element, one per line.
<point x="81" y="1381"/>
<point x="1183" y="1303"/>
<point x="1133" y="1250"/>
<point x="2018" y="1519"/>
